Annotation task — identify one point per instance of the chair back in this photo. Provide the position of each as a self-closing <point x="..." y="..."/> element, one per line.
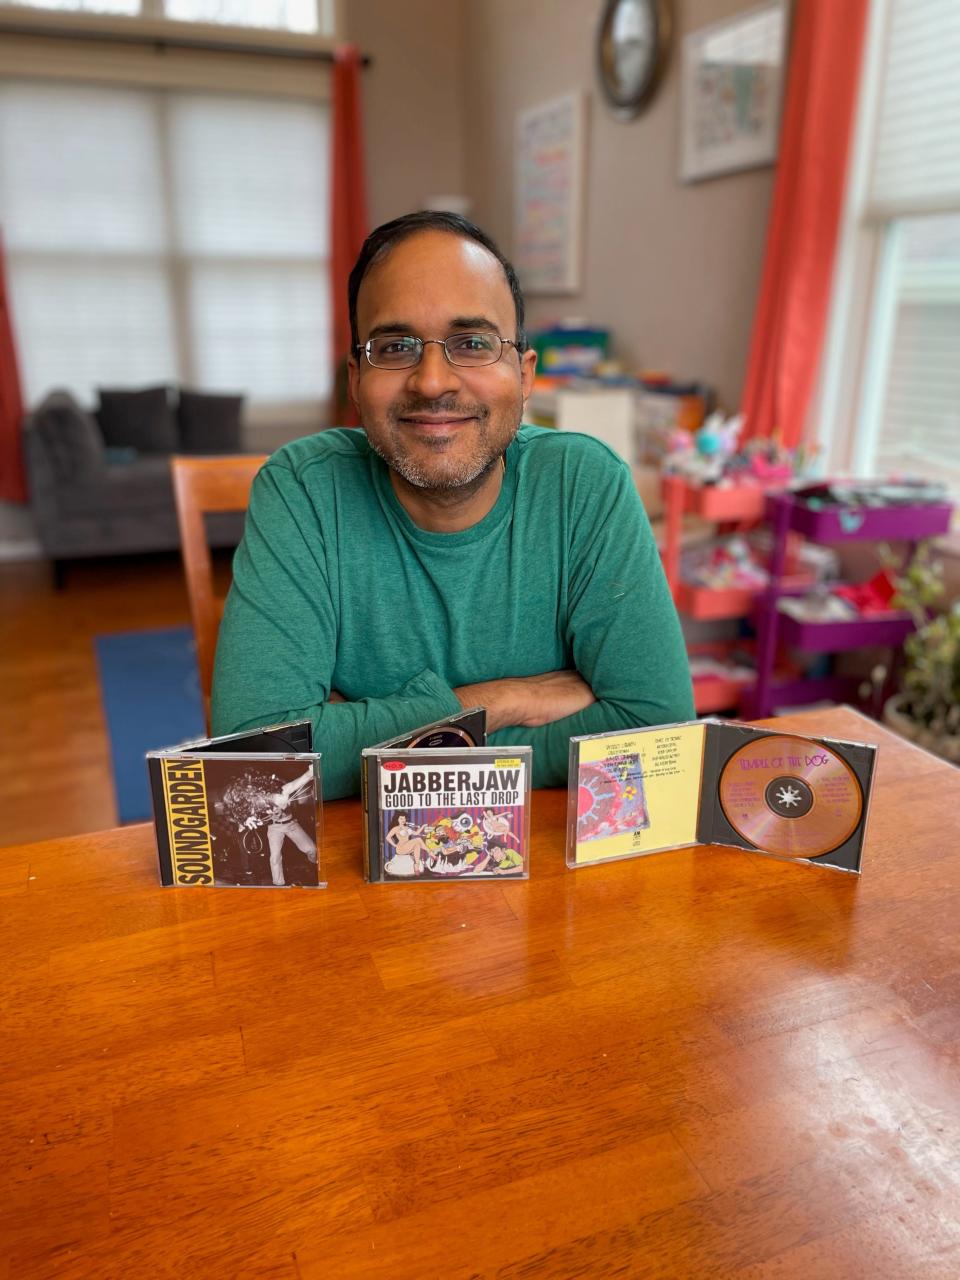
<point x="202" y="486"/>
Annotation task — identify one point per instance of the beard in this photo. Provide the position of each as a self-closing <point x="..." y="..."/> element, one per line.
<point x="454" y="467"/>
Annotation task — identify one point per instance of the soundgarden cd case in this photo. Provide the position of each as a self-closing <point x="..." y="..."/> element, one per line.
<point x="643" y="791"/>
<point x="240" y="811"/>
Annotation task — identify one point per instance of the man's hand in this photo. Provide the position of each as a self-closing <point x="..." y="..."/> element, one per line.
<point x="528" y="700"/>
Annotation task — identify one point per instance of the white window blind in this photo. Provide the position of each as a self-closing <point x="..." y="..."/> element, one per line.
<point x="916" y="165"/>
<point x="910" y="399"/>
<point x="163" y="237"/>
<point x="919" y="428"/>
<point x="306" y="17"/>
<point x="127" y="8"/>
<point x="283" y="15"/>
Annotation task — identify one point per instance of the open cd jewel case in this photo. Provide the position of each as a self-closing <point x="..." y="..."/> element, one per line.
<point x="718" y="782"/>
<point x="441" y="806"/>
<point x="242" y="810"/>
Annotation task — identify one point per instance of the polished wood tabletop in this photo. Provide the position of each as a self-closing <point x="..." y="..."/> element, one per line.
<point x="701" y="1063"/>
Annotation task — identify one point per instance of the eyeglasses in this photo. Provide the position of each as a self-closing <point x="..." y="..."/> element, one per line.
<point x="404" y="351"/>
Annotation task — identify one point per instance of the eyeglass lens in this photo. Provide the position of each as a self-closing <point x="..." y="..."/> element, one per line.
<point x="403" y="351"/>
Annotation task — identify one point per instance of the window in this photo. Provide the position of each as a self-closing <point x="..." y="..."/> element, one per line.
<point x="915" y="350"/>
<point x="126" y="7"/>
<point x="891" y="384"/>
<point x="283" y="15"/>
<point x="308" y="17"/>
<point x="166" y="237"/>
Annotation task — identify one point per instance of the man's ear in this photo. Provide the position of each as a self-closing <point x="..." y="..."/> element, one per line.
<point x="353" y="381"/>
<point x="528" y="369"/>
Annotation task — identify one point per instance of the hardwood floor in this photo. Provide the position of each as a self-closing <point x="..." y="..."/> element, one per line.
<point x="55" y="777"/>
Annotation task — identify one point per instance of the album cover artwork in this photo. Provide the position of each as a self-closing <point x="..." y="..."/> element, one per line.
<point x="446" y="814"/>
<point x="718" y="782"/>
<point x="240" y="811"/>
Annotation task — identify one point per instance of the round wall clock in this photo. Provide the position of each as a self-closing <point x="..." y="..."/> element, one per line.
<point x="632" y="44"/>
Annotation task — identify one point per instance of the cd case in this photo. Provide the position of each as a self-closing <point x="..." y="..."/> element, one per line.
<point x="440" y="806"/>
<point x="242" y="810"/>
<point x="718" y="782"/>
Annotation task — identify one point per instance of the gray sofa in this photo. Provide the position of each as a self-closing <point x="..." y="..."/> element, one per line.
<point x="100" y="482"/>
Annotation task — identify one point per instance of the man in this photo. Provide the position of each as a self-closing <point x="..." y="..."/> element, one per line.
<point x="445" y="557"/>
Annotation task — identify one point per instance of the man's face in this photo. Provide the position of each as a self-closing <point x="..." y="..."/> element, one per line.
<point x="439" y="426"/>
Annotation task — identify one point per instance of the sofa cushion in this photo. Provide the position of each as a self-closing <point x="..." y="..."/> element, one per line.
<point x="140" y="420"/>
<point x="209" y="423"/>
<point x="70" y="436"/>
<point x="133" y="489"/>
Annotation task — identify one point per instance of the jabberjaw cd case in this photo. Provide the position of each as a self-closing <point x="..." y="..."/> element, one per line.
<point x="242" y="810"/>
<point x="640" y="791"/>
<point x="439" y="805"/>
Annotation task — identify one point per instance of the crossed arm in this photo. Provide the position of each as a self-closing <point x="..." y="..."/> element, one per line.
<point x="530" y="701"/>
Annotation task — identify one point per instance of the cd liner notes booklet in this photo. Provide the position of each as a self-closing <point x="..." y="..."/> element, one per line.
<point x="439" y="805"/>
<point x="242" y="810"/>
<point x="718" y="782"/>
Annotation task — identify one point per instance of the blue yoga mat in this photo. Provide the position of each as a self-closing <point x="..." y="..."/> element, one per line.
<point x="151" y="698"/>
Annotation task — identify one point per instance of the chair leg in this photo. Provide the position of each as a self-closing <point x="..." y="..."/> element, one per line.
<point x="59" y="568"/>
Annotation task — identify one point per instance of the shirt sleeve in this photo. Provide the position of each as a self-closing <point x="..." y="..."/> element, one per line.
<point x="622" y="628"/>
<point x="276" y="651"/>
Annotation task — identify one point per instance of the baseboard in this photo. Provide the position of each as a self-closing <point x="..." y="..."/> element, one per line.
<point x="20" y="549"/>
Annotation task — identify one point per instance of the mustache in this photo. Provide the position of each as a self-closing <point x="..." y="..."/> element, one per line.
<point x="438" y="408"/>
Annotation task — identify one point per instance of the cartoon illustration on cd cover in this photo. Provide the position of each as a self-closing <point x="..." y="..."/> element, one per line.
<point x="447" y="814"/>
<point x="611" y="797"/>
<point x="438" y="843"/>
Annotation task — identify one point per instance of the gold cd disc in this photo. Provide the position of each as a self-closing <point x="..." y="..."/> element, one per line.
<point x="790" y="796"/>
<point x="449" y="736"/>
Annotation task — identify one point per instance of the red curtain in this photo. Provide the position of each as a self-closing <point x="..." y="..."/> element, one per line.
<point x="791" y="314"/>
<point x="13" y="482"/>
<point x="348" y="213"/>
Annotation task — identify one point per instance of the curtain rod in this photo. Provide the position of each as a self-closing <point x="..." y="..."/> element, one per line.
<point x="174" y="41"/>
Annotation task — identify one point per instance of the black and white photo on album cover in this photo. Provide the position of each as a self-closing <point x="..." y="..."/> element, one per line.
<point x="263" y="822"/>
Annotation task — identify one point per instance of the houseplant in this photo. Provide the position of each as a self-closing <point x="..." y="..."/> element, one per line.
<point x="927" y="707"/>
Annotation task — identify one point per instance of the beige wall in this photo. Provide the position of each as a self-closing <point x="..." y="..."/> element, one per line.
<point x="672" y="269"/>
<point x="413" y="100"/>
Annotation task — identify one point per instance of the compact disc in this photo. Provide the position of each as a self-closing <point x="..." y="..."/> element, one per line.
<point x="790" y="796"/>
<point x="449" y="736"/>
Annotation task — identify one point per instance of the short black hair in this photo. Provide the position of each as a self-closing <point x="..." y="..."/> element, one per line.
<point x="380" y="241"/>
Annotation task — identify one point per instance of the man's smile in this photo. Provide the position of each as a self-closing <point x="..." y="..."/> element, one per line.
<point x="429" y="422"/>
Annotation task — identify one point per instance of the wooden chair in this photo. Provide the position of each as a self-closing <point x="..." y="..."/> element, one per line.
<point x="201" y="486"/>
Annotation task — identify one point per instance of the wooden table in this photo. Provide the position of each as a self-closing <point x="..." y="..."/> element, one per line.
<point x="699" y="1064"/>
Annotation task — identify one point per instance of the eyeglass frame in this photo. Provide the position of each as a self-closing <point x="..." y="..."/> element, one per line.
<point x="519" y="347"/>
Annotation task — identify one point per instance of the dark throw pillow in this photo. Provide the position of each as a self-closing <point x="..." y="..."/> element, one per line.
<point x="70" y="436"/>
<point x="209" y="423"/>
<point x="140" y="420"/>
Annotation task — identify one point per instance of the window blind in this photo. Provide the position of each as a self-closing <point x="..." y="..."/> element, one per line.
<point x="307" y="17"/>
<point x="913" y="195"/>
<point x="920" y="419"/>
<point x="916" y="165"/>
<point x="162" y="237"/>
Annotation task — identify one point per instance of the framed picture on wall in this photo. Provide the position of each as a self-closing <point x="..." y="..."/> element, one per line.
<point x="548" y="193"/>
<point x="731" y="92"/>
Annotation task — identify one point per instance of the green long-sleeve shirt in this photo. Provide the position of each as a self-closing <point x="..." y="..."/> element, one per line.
<point x="335" y="587"/>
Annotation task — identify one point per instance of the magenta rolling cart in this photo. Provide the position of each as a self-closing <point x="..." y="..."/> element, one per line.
<point x="789" y="514"/>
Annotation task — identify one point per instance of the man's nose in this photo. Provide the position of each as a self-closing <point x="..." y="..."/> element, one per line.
<point x="434" y="376"/>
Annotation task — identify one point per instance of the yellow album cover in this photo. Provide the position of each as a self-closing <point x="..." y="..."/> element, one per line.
<point x="636" y="792"/>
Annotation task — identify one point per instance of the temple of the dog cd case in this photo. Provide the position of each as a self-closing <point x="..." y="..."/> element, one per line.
<point x="718" y="782"/>
<point x="242" y="810"/>
<point x="438" y="808"/>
